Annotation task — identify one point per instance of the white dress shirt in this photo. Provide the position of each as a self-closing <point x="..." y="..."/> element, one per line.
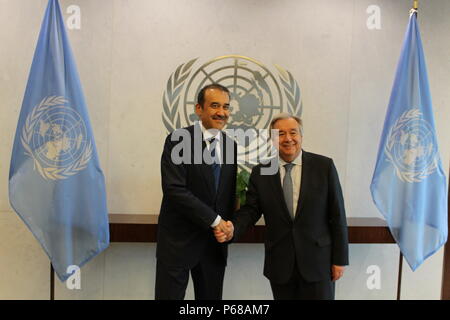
<point x="296" y="174"/>
<point x="212" y="133"/>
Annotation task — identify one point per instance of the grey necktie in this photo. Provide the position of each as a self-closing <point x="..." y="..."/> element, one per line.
<point x="288" y="189"/>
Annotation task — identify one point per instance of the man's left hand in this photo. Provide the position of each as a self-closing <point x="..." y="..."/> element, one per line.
<point x="337" y="272"/>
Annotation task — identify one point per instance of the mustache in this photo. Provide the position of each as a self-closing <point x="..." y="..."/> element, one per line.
<point x="217" y="117"/>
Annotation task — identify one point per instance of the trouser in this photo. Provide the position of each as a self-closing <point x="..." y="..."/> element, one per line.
<point x="207" y="278"/>
<point x="298" y="288"/>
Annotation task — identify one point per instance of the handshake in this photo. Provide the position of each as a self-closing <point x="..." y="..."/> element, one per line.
<point x="224" y="231"/>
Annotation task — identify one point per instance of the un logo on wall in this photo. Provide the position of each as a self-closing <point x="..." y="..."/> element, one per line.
<point x="55" y="136"/>
<point x="256" y="93"/>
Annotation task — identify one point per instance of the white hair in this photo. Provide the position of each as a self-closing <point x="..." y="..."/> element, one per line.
<point x="286" y="115"/>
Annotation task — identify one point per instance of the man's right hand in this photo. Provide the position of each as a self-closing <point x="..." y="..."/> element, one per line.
<point x="224" y="231"/>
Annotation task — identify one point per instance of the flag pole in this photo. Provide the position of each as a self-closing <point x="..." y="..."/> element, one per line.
<point x="399" y="283"/>
<point x="52" y="282"/>
<point x="400" y="263"/>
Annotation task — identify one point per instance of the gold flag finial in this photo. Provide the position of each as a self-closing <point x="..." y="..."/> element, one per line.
<point x="416" y="4"/>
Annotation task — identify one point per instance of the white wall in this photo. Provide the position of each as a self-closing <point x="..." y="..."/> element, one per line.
<point x="127" y="49"/>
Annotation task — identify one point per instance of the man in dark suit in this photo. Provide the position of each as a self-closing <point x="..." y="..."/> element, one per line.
<point x="198" y="170"/>
<point x="306" y="241"/>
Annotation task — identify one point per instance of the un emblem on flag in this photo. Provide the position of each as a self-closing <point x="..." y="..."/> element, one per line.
<point x="257" y="93"/>
<point x="410" y="147"/>
<point x="55" y="137"/>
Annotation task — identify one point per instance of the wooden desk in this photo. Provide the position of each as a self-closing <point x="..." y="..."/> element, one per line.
<point x="143" y="228"/>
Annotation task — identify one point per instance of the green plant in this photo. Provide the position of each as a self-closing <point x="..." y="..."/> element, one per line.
<point x="241" y="185"/>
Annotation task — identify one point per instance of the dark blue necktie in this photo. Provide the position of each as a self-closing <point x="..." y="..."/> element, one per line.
<point x="216" y="164"/>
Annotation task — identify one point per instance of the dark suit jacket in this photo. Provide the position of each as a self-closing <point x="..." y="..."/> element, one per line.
<point x="190" y="203"/>
<point x="317" y="237"/>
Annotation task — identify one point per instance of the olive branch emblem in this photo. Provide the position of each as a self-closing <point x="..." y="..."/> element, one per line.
<point x="291" y="90"/>
<point x="50" y="173"/>
<point x="171" y="96"/>
<point x="406" y="176"/>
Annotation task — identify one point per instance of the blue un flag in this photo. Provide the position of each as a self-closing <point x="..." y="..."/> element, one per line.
<point x="409" y="185"/>
<point x="55" y="182"/>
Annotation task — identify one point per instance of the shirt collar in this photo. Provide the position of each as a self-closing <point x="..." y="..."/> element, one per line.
<point x="208" y="134"/>
<point x="296" y="161"/>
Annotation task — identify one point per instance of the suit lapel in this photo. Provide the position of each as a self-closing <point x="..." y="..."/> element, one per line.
<point x="304" y="182"/>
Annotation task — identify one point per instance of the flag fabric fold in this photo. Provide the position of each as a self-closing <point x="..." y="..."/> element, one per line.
<point x="409" y="186"/>
<point x="56" y="184"/>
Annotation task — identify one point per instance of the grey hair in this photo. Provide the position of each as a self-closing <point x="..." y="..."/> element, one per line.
<point x="286" y="115"/>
